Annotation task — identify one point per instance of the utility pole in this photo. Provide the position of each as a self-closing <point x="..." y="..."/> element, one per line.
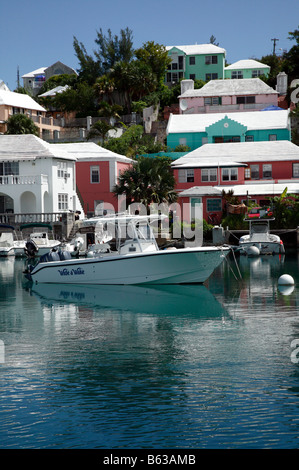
<point x="18" y="77"/>
<point x="274" y="44"/>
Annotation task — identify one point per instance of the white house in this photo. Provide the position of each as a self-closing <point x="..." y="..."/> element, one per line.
<point x="36" y="177"/>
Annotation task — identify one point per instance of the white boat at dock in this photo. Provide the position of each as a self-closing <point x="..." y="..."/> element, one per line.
<point x="10" y="243"/>
<point x="134" y="259"/>
<point x="260" y="241"/>
<point x="39" y="243"/>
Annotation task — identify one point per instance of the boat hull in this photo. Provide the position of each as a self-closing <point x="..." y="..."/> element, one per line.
<point x="182" y="266"/>
<point x="265" y="248"/>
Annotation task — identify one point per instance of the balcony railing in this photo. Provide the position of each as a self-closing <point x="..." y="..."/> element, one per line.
<point x="21" y="179"/>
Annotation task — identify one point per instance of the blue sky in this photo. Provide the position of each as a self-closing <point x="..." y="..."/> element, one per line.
<point x="36" y="34"/>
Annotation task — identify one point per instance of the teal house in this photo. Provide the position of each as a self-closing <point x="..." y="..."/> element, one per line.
<point x="195" y="130"/>
<point x="198" y="62"/>
<point x="246" y="69"/>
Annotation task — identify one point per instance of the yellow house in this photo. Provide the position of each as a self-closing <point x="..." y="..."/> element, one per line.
<point x="17" y="103"/>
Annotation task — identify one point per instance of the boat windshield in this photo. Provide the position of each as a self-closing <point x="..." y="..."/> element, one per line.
<point x="259" y="228"/>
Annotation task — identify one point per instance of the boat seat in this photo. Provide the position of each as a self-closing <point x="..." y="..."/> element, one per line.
<point x="65" y="255"/>
<point x="53" y="256"/>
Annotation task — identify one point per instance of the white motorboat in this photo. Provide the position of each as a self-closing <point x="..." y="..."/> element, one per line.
<point x="260" y="241"/>
<point x="39" y="243"/>
<point x="136" y="259"/>
<point x="10" y="244"/>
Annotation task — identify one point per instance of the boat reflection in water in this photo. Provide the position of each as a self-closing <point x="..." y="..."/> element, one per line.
<point x="187" y="300"/>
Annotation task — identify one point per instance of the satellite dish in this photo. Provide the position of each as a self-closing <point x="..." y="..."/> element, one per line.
<point x="183" y="105"/>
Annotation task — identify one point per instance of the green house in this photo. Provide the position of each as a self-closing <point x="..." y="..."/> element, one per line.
<point x="246" y="69"/>
<point x="196" y="130"/>
<point x="198" y="62"/>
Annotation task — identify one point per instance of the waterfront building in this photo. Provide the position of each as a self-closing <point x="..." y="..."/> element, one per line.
<point x="36" y="177"/>
<point x="196" y="62"/>
<point x="97" y="171"/>
<point x="195" y="130"/>
<point x="248" y="68"/>
<point x="255" y="170"/>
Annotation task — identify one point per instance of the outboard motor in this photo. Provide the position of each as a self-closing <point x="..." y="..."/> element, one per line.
<point x="31" y="248"/>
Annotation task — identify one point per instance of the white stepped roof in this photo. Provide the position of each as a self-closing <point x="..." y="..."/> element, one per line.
<point x="247" y="64"/>
<point x="89" y="151"/>
<point x="239" y="152"/>
<point x="39" y="71"/>
<point x="199" y="49"/>
<point x="19" y="100"/>
<point x="184" y="123"/>
<point x="230" y="87"/>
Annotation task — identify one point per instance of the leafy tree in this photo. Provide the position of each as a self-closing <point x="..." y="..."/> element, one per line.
<point x="134" y="80"/>
<point x="149" y="180"/>
<point x="133" y="142"/>
<point x="291" y="58"/>
<point x="90" y="68"/>
<point x="80" y="98"/>
<point x="21" y="124"/>
<point x="58" y="80"/>
<point x="99" y="129"/>
<point x="213" y="40"/>
<point x="155" y="56"/>
<point x="114" y="49"/>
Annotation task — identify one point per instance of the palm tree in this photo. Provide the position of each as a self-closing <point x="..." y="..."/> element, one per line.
<point x="99" y="129"/>
<point x="149" y="180"/>
<point x="21" y="124"/>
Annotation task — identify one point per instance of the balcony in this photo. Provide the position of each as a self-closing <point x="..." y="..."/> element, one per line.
<point x="10" y="180"/>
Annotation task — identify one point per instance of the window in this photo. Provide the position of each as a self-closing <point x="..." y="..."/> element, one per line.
<point x="183" y="141"/>
<point x="272" y="137"/>
<point x="62" y="202"/>
<point x="192" y="76"/>
<point x="186" y="176"/>
<point x="212" y="101"/>
<point x="174" y="66"/>
<point x="295" y="170"/>
<point x="247" y="173"/>
<point x="249" y="138"/>
<point x="94" y="174"/>
<point x="237" y="74"/>
<point x="256" y="73"/>
<point x="255" y="172"/>
<point x="211" y="59"/>
<point x="245" y="99"/>
<point x="61" y="169"/>
<point x="192" y="60"/>
<point x="209" y="174"/>
<point x="181" y="62"/>
<point x="229" y="174"/>
<point x="9" y="168"/>
<point x="211" y="76"/>
<point x="214" y="205"/>
<point x="267" y="171"/>
<point x="196" y="207"/>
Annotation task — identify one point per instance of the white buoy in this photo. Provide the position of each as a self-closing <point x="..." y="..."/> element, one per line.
<point x="286" y="280"/>
<point x="286" y="290"/>
<point x="253" y="251"/>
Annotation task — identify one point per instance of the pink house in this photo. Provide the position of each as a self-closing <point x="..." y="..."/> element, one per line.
<point x="229" y="95"/>
<point x="252" y="170"/>
<point x="97" y="171"/>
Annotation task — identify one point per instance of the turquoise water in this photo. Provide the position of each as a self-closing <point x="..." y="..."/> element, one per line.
<point x="193" y="367"/>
